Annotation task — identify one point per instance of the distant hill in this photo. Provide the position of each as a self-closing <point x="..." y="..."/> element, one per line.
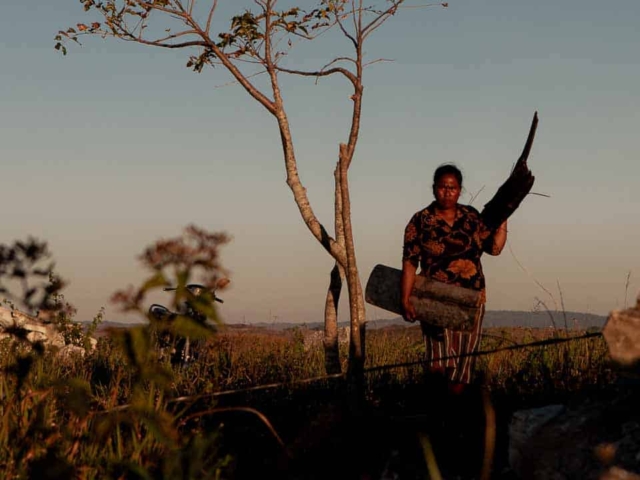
<point x="510" y="318"/>
<point x="492" y="318"/>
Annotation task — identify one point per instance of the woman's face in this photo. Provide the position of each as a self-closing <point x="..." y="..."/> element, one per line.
<point x="447" y="191"/>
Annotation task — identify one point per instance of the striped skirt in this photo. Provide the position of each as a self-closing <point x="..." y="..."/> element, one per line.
<point x="443" y="348"/>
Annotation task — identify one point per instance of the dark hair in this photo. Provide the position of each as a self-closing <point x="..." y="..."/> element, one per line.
<point x="447" y="169"/>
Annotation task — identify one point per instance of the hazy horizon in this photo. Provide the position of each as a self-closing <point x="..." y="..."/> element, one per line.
<point x="492" y="319"/>
<point x="115" y="146"/>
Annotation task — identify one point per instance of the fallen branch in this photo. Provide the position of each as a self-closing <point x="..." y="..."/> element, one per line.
<point x="511" y="193"/>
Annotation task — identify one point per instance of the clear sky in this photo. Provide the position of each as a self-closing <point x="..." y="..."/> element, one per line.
<point x="116" y="145"/>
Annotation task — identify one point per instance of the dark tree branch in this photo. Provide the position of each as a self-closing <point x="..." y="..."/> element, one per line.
<point x="380" y="19"/>
<point x="345" y="32"/>
<point x="514" y="189"/>
<point x="321" y="73"/>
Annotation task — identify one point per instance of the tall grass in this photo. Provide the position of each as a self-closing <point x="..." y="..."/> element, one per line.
<point x="105" y="412"/>
<point x="112" y="412"/>
<point x="545" y="370"/>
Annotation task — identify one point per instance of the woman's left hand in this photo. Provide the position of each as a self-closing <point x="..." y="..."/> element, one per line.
<point x="499" y="239"/>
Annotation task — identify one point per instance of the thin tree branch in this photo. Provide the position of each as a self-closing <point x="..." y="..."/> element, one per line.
<point x="353" y="15"/>
<point x="357" y="99"/>
<point x="141" y="25"/>
<point x="339" y="59"/>
<point x="321" y="73"/>
<point x="380" y="19"/>
<point x="157" y="7"/>
<point x="379" y="60"/>
<point x="235" y="82"/>
<point x="210" y="15"/>
<point x="180" y="6"/>
<point x="175" y="35"/>
<point x="426" y="5"/>
<point x="267" y="45"/>
<point x="233" y="69"/>
<point x="474" y="196"/>
<point x="154" y="43"/>
<point x="344" y="31"/>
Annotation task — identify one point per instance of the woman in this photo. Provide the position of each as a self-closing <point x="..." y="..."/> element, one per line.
<point x="447" y="240"/>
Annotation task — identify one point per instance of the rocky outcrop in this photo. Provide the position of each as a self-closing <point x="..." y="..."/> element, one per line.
<point x="37" y="330"/>
<point x="524" y="425"/>
<point x="585" y="441"/>
<point x="622" y="334"/>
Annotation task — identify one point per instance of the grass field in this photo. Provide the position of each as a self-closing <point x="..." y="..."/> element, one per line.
<point x="256" y="403"/>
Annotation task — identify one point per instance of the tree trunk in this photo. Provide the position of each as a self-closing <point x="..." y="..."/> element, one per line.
<point x="344" y="254"/>
<point x="331" y="343"/>
<point x="356" y="300"/>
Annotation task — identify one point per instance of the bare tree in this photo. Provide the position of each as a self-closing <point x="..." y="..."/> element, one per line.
<point x="257" y="42"/>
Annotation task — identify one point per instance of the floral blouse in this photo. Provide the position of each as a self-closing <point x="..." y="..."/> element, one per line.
<point x="450" y="254"/>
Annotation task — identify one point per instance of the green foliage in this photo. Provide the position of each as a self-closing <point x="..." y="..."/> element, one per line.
<point x="62" y="318"/>
<point x="108" y="413"/>
<point x="93" y="328"/>
<point x="245" y="39"/>
<point x="26" y="266"/>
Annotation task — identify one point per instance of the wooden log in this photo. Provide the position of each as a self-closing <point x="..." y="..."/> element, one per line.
<point x="511" y="193"/>
<point x="436" y="303"/>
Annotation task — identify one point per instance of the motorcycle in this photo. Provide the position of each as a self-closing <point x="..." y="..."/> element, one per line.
<point x="181" y="349"/>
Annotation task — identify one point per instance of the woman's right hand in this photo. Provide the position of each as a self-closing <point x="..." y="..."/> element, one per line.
<point x="409" y="311"/>
<point x="408" y="279"/>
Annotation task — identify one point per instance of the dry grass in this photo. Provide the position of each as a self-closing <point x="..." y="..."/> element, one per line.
<point x="112" y="413"/>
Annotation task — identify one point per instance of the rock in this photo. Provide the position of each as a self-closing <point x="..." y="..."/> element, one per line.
<point x="598" y="438"/>
<point x="595" y="439"/>
<point x="523" y="426"/>
<point x="38" y="330"/>
<point x="622" y="334"/>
